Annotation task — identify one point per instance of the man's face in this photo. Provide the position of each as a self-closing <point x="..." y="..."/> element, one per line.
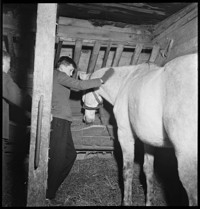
<point x="6" y="64"/>
<point x="68" y="69"/>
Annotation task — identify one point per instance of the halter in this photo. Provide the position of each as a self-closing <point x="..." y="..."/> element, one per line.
<point x="99" y="106"/>
<point x="100" y="103"/>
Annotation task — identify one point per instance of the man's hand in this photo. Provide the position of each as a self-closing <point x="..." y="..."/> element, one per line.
<point x="107" y="75"/>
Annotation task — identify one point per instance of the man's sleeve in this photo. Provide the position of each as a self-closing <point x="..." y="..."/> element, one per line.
<point x="13" y="94"/>
<point x="67" y="81"/>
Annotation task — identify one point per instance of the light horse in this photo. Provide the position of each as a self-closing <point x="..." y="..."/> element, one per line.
<point x="159" y="106"/>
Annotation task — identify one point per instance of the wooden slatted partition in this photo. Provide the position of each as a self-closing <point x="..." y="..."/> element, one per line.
<point x="95" y="45"/>
<point x="118" y="54"/>
<point x="90" y="50"/>
<point x="136" y="54"/>
<point x="154" y="53"/>
<point x="77" y="51"/>
<point x="58" y="50"/>
<point x="94" y="57"/>
<point x="106" y="54"/>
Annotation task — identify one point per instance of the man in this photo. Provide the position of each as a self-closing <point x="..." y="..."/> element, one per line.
<point x="62" y="153"/>
<point x="12" y="95"/>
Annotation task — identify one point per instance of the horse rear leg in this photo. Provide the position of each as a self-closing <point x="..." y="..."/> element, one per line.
<point x="148" y="168"/>
<point x="183" y="135"/>
<point x="182" y="131"/>
<point x="187" y="168"/>
<point x="127" y="145"/>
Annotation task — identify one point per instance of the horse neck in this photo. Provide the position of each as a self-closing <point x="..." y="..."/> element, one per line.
<point x="112" y="86"/>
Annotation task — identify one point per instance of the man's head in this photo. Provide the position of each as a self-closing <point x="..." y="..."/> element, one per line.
<point x="66" y="64"/>
<point x="6" y="61"/>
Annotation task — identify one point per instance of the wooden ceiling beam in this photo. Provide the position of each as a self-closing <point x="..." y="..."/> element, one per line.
<point x="128" y="8"/>
<point x="179" y="16"/>
<point x="100" y="34"/>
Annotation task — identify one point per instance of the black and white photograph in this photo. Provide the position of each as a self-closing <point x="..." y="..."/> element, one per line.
<point x="99" y="104"/>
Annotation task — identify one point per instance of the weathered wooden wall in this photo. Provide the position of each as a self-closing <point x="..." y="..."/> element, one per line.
<point x="181" y="29"/>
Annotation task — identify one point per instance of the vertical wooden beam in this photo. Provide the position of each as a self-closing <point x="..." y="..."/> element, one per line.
<point x="154" y="53"/>
<point x="106" y="54"/>
<point x="118" y="55"/>
<point x="77" y="51"/>
<point x="58" y="50"/>
<point x="94" y="57"/>
<point x="136" y="54"/>
<point x="42" y="88"/>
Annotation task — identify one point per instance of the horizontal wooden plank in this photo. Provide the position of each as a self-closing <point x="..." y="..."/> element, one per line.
<point x="93" y="141"/>
<point x="86" y="42"/>
<point x="100" y="34"/>
<point x="175" y="25"/>
<point x="95" y="130"/>
<point x="162" y="26"/>
<point x="112" y="7"/>
<point x="94" y="148"/>
<point x="88" y="24"/>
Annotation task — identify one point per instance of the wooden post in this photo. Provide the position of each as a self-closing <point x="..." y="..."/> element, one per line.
<point x="106" y="54"/>
<point x="58" y="50"/>
<point x="42" y="88"/>
<point x="77" y="52"/>
<point x="154" y="53"/>
<point x="136" y="54"/>
<point x="118" y="55"/>
<point x="94" y="57"/>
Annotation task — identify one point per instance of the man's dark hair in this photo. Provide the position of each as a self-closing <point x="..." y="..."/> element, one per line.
<point x="66" y="61"/>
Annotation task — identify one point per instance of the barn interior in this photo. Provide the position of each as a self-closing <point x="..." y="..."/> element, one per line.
<point x="95" y="35"/>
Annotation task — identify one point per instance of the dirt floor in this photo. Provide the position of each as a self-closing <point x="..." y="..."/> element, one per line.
<point x="97" y="181"/>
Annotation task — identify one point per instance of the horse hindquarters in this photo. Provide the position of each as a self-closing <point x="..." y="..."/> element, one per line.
<point x="180" y="120"/>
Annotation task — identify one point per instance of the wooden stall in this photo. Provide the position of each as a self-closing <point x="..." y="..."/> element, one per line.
<point x="121" y="34"/>
<point x="94" y="47"/>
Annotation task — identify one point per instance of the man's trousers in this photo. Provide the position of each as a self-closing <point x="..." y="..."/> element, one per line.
<point x="62" y="155"/>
